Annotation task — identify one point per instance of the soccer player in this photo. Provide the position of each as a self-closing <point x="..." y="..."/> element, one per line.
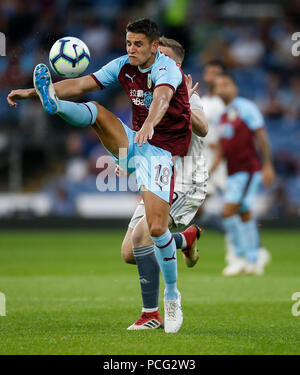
<point x="189" y="192"/>
<point x="161" y="128"/>
<point x="213" y="107"/>
<point x="242" y="132"/>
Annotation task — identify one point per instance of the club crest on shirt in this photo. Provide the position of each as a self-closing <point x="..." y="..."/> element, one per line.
<point x="148" y="99"/>
<point x="149" y="81"/>
<point x="231" y="114"/>
<point x="227" y="131"/>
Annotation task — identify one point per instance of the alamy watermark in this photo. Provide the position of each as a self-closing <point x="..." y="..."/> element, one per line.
<point x="153" y="172"/>
<point x="296" y="305"/>
<point x="2" y="44"/>
<point x="296" y="46"/>
<point x="2" y="304"/>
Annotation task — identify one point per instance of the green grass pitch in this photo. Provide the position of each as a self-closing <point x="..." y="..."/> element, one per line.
<point x="70" y="293"/>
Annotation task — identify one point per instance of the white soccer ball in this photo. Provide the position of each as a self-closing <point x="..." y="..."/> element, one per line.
<point x="69" y="57"/>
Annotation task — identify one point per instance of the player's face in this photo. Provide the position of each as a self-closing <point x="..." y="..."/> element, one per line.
<point x="225" y="88"/>
<point x="140" y="50"/>
<point x="210" y="74"/>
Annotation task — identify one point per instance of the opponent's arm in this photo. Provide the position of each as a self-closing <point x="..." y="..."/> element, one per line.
<point x="218" y="158"/>
<point x="268" y="173"/>
<point x="162" y="96"/>
<point x="200" y="126"/>
<point x="65" y="89"/>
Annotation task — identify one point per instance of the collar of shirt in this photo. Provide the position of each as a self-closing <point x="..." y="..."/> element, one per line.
<point x="158" y="54"/>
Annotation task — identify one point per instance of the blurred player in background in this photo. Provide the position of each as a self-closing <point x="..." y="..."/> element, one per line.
<point x="162" y="128"/>
<point x="213" y="107"/>
<point x="189" y="194"/>
<point x="241" y="133"/>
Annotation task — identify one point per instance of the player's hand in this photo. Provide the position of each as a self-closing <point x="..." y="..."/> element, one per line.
<point x="189" y="85"/>
<point x="268" y="175"/>
<point x="120" y="172"/>
<point x="14" y="95"/>
<point x="146" y="132"/>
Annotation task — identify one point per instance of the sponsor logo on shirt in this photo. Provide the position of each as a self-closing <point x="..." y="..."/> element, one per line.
<point x="141" y="98"/>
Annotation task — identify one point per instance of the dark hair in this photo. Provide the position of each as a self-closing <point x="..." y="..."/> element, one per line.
<point x="217" y="63"/>
<point x="228" y="75"/>
<point x="176" y="47"/>
<point x="146" y="27"/>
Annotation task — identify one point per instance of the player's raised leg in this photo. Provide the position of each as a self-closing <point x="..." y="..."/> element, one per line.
<point x="108" y="127"/>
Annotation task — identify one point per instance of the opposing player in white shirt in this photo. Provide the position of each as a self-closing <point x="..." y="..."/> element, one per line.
<point x="189" y="194"/>
<point x="213" y="108"/>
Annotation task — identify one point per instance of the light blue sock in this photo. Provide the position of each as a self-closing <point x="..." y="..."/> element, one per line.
<point x="250" y="238"/>
<point x="232" y="229"/>
<point x="77" y="114"/>
<point x="165" y="251"/>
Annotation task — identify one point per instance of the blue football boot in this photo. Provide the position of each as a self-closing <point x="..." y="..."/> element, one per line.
<point x="45" y="89"/>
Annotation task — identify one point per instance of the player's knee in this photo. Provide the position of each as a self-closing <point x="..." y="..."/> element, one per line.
<point x="98" y="106"/>
<point x="127" y="256"/>
<point x="157" y="230"/>
<point x="137" y="237"/>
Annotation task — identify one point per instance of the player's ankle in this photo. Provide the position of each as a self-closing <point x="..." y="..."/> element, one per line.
<point x="149" y="310"/>
<point x="184" y="241"/>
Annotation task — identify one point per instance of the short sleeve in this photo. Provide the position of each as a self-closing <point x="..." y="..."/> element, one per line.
<point x="109" y="73"/>
<point x="167" y="73"/>
<point x="252" y="116"/>
<point x="195" y="102"/>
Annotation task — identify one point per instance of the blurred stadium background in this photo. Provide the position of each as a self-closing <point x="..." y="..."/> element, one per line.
<point x="48" y="169"/>
<point x="63" y="287"/>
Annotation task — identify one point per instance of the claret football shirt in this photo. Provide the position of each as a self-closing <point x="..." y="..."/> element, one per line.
<point x="174" y="131"/>
<point x="237" y="126"/>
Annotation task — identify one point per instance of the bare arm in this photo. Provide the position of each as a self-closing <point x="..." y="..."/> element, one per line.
<point x="65" y="89"/>
<point x="268" y="173"/>
<point x="162" y="96"/>
<point x="200" y="126"/>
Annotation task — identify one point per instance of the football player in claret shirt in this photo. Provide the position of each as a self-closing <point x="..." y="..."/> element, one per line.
<point x="161" y="128"/>
<point x="243" y="143"/>
<point x="189" y="194"/>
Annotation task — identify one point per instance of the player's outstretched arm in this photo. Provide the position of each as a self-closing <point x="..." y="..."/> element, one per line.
<point x="66" y="89"/>
<point x="268" y="173"/>
<point x="162" y="96"/>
